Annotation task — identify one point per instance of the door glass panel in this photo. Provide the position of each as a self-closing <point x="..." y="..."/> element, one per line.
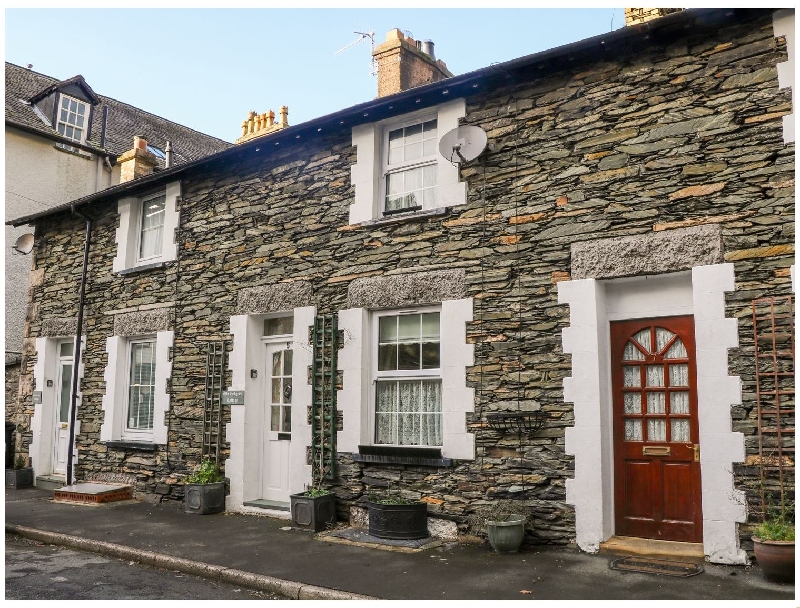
<point x="631" y="376"/>
<point x="66" y="386"/>
<point x="287" y="363"/>
<point x="65" y="349"/>
<point x="655" y="375"/>
<point x="655" y="403"/>
<point x="680" y="429"/>
<point x="276" y="364"/>
<point x="663" y="336"/>
<point x="633" y="430"/>
<point x="676" y="351"/>
<point x="679" y="403"/>
<point x="286" y="423"/>
<point x="275" y="418"/>
<point x="632" y="353"/>
<point x="633" y="403"/>
<point x="656" y="430"/>
<point x="643" y="338"/>
<point x="679" y="375"/>
<point x="276" y="390"/>
<point x="287" y="390"/>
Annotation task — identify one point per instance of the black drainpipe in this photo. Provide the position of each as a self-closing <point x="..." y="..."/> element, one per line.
<point x="77" y="349"/>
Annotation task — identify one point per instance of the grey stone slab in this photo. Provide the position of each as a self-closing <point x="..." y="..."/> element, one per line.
<point x="651" y="253"/>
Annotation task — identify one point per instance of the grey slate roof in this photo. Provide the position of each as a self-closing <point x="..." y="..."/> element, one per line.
<point x="124" y="121"/>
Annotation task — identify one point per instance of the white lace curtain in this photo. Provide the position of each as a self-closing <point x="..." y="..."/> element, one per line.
<point x="409" y="412"/>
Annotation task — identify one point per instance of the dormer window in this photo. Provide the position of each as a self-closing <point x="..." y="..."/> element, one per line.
<point x="71" y="118"/>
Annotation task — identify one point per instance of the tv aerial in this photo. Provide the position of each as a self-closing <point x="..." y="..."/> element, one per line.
<point x="463" y="144"/>
<point x="362" y="36"/>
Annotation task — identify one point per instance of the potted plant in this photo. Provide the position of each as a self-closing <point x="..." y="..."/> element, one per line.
<point x="503" y="521"/>
<point x="205" y="490"/>
<point x="397" y="518"/>
<point x="773" y="544"/>
<point x="313" y="509"/>
<point x="21" y="476"/>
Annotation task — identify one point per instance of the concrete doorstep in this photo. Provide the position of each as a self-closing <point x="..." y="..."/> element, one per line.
<point x="259" y="582"/>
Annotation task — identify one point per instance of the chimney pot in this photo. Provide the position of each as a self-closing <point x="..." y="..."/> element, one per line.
<point x="427" y="48"/>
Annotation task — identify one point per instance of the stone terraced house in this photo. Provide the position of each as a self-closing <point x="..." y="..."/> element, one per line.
<point x="64" y="141"/>
<point x="565" y="320"/>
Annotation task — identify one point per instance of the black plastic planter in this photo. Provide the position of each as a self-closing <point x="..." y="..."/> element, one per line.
<point x="204" y="499"/>
<point x="19" y="478"/>
<point x="313" y="513"/>
<point x="398" y="522"/>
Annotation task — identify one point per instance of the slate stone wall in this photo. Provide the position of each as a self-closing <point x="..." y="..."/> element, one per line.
<point x="685" y="134"/>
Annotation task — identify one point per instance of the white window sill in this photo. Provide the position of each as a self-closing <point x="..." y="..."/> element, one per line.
<point x="141" y="268"/>
<point x="411" y="215"/>
<point x="75" y="152"/>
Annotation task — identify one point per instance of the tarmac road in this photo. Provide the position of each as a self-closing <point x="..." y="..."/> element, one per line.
<point x="35" y="571"/>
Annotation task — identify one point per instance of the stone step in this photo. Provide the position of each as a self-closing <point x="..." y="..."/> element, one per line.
<point x="50" y="482"/>
<point x="93" y="493"/>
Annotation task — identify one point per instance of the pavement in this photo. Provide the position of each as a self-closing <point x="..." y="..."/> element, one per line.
<point x="263" y="553"/>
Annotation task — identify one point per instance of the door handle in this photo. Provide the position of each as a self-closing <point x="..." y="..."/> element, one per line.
<point x="696" y="449"/>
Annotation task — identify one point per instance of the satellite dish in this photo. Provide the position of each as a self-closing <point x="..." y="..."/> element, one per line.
<point x="462" y="144"/>
<point x="24" y="244"/>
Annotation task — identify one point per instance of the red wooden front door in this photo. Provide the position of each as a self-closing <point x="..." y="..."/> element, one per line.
<point x="656" y="449"/>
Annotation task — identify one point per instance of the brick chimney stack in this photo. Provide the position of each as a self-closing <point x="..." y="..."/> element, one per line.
<point x="137" y="162"/>
<point x="405" y="63"/>
<point x="636" y="16"/>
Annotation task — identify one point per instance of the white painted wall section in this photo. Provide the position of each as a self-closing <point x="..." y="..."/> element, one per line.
<point x="723" y="506"/>
<point x="354" y="362"/>
<point x="783" y="25"/>
<point x="582" y="339"/>
<point x="457" y="397"/>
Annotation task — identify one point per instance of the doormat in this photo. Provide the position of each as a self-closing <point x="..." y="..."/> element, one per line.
<point x="648" y="565"/>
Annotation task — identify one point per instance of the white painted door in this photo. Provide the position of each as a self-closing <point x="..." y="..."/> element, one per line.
<point x="277" y="426"/>
<point x="63" y="393"/>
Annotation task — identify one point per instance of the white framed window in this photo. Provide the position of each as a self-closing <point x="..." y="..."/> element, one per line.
<point x="141" y="388"/>
<point x="146" y="232"/>
<point x="409" y="165"/>
<point x="137" y="397"/>
<point x="72" y="118"/>
<point x="398" y="166"/>
<point x="151" y="226"/>
<point x="407" y="378"/>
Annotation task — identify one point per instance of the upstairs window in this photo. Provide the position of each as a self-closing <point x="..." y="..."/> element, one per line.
<point x="411" y="167"/>
<point x="71" y="118"/>
<point x="152" y="226"/>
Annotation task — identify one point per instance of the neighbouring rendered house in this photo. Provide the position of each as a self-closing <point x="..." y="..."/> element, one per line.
<point x="337" y="299"/>
<point x="62" y="142"/>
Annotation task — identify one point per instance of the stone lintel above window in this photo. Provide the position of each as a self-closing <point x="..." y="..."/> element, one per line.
<point x="649" y="253"/>
<point x="413" y="288"/>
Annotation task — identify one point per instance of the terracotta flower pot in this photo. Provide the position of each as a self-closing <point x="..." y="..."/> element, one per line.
<point x="776" y="558"/>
